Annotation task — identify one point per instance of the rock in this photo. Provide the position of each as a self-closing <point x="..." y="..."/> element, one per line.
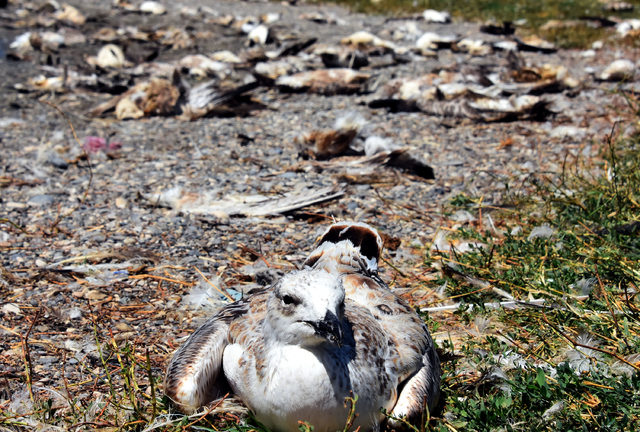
<point x="95" y="295"/>
<point x="42" y="200"/>
<point x="11" y="308"/>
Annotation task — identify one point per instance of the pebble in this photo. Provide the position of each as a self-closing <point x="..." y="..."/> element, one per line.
<point x="42" y="200"/>
<point x="11" y="308"/>
<point x="95" y="295"/>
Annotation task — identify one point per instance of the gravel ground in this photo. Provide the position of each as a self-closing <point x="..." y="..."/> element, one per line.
<point x="86" y="245"/>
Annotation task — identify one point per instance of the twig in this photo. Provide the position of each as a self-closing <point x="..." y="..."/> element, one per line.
<point x="400" y="272"/>
<point x="606" y="298"/>
<point x="128" y="374"/>
<point x="27" y="356"/>
<point x="512" y="304"/>
<point x="13" y="224"/>
<point x="153" y="389"/>
<point x="351" y="402"/>
<point x="72" y="405"/>
<point x="211" y="408"/>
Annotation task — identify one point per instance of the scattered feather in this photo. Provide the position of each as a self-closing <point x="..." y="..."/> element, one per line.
<point x="553" y="410"/>
<point x="541" y="232"/>
<point x="204" y="295"/>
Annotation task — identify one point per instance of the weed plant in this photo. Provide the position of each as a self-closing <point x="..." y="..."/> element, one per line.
<point x="531" y="14"/>
<point x="566" y="356"/>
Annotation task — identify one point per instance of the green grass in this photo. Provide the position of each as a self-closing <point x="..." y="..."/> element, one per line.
<point x="580" y="349"/>
<point x="535" y="12"/>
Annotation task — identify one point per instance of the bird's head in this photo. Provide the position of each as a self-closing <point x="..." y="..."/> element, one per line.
<point x="306" y="308"/>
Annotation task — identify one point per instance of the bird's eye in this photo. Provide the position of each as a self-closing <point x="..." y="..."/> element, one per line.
<point x="290" y="300"/>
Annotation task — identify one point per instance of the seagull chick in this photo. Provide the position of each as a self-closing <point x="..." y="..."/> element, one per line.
<point x="297" y="350"/>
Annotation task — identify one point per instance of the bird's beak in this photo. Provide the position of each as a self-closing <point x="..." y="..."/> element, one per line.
<point x="329" y="327"/>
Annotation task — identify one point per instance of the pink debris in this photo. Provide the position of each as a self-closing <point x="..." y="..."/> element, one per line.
<point x="93" y="144"/>
<point x="114" y="145"/>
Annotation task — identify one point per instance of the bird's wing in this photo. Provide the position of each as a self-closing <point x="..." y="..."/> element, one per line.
<point x="407" y="333"/>
<point x="421" y="390"/>
<point x="413" y="358"/>
<point x="194" y="376"/>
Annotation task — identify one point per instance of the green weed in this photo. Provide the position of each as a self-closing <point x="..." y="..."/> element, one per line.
<point x="565" y="357"/>
<point x="534" y="13"/>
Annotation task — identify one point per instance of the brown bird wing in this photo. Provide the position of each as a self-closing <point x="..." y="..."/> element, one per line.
<point x="194" y="376"/>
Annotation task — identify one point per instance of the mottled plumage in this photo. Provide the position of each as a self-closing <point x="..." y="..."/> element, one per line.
<point x="296" y="350"/>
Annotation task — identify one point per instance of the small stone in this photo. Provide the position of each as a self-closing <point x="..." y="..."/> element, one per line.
<point x="121" y="326"/>
<point x="95" y="295"/>
<point x="41" y="200"/>
<point x="72" y="345"/>
<point x="11" y="308"/>
<point x="121" y="203"/>
<point x="75" y="313"/>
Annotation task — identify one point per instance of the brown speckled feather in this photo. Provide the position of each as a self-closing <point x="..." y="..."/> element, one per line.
<point x="194" y="375"/>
